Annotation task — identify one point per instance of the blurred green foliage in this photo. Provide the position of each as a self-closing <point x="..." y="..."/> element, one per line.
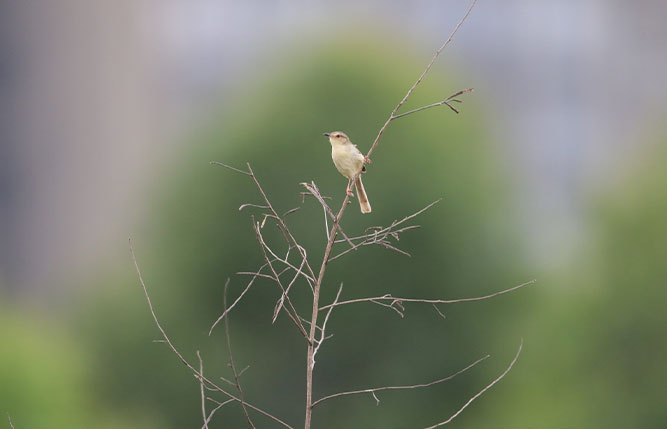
<point x="198" y="238"/>
<point x="42" y="374"/>
<point x="596" y="353"/>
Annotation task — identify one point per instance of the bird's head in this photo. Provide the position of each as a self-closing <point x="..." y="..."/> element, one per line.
<point x="338" y="138"/>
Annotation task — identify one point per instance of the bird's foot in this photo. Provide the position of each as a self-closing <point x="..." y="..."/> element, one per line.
<point x="350" y="193"/>
<point x="367" y="160"/>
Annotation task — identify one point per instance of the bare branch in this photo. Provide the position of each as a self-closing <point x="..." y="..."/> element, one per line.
<point x="10" y="421"/>
<point x="231" y="361"/>
<point x="413" y="386"/>
<point x="481" y="392"/>
<point x="432" y="301"/>
<point x="195" y="372"/>
<point x="310" y="360"/>
<point x="392" y="116"/>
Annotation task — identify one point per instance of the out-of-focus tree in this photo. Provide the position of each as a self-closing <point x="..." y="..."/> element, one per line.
<point x="198" y="238"/>
<point x="598" y="326"/>
<point x="44" y="376"/>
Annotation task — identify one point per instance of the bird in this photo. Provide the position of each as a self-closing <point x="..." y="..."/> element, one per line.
<point x="349" y="161"/>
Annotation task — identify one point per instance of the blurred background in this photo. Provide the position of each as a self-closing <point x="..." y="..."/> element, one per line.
<point x="554" y="170"/>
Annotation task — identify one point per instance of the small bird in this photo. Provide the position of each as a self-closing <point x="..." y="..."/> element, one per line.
<point x="349" y="161"/>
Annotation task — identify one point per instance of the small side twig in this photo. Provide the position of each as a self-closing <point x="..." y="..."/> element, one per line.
<point x="10" y="421"/>
<point x="380" y="234"/>
<point x="413" y="386"/>
<point x="446" y="102"/>
<point x="481" y="392"/>
<point x="214" y="410"/>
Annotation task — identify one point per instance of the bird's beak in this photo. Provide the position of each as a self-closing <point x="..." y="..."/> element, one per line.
<point x="327" y="134"/>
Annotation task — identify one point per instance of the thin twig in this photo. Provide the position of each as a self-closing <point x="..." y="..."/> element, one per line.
<point x="10" y="421"/>
<point x="231" y="360"/>
<point x="201" y="388"/>
<point x="391" y="306"/>
<point x="224" y="314"/>
<point x="481" y="392"/>
<point x="281" y="222"/>
<point x="446" y="102"/>
<point x="379" y="235"/>
<point x="314" y="191"/>
<point x="392" y="116"/>
<point x="213" y="411"/>
<point x="431" y="301"/>
<point x="438" y="311"/>
<point x="290" y="310"/>
<point x="231" y="168"/>
<point x="196" y="373"/>
<point x="413" y="386"/>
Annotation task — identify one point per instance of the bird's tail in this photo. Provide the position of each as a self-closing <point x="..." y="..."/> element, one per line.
<point x="363" y="198"/>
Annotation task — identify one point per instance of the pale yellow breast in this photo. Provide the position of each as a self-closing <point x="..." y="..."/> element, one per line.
<point x="347" y="159"/>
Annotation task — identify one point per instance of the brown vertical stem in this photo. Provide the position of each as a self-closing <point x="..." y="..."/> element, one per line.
<point x="310" y="362"/>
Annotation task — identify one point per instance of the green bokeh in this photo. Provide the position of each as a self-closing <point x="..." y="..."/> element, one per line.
<point x="43" y="374"/>
<point x="596" y="357"/>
